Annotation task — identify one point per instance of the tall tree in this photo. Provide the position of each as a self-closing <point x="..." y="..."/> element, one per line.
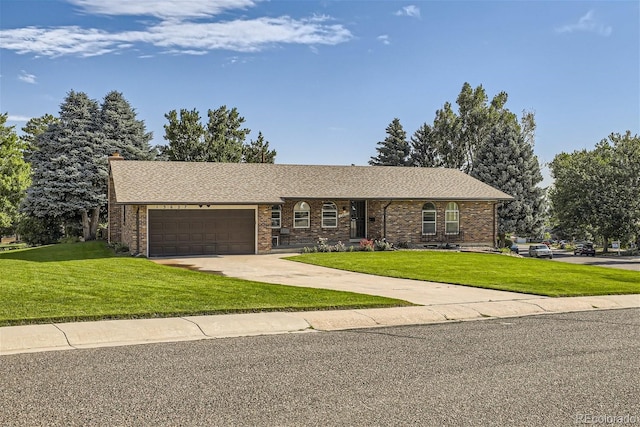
<point x="185" y="135"/>
<point x="258" y="151"/>
<point x="395" y="149"/>
<point x="458" y="137"/>
<point x="597" y="191"/>
<point x="225" y="135"/>
<point x="14" y="174"/>
<point x="424" y="153"/>
<point x="70" y="167"/>
<point x="122" y="131"/>
<point x="34" y="127"/>
<point x="507" y="162"/>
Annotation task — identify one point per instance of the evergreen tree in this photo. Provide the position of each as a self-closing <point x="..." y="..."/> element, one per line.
<point x="394" y="150"/>
<point x="14" y="175"/>
<point x="70" y="166"/>
<point x="32" y="129"/>
<point x="423" y="151"/>
<point x="185" y="135"/>
<point x="225" y="137"/>
<point x="507" y="162"/>
<point x="258" y="151"/>
<point x="122" y="131"/>
<point x="222" y="140"/>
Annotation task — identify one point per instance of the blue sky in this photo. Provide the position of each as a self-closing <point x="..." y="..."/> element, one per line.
<point x="323" y="79"/>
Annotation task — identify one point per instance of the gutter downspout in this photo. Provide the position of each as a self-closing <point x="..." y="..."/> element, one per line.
<point x="495" y="214"/>
<point x="137" y="230"/>
<point x="384" y="220"/>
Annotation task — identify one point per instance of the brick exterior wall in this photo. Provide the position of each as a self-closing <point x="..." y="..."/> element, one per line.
<point x="114" y="215"/>
<point x="310" y="235"/>
<point x="403" y="222"/>
<point x="264" y="229"/>
<point x="134" y="218"/>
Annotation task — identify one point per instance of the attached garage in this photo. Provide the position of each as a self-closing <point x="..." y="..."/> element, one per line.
<point x="181" y="232"/>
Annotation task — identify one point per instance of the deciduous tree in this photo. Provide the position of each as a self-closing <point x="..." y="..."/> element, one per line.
<point x="14" y="175"/>
<point x="597" y="191"/>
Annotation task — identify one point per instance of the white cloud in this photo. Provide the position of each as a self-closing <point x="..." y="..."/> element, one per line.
<point x="26" y="77"/>
<point x="166" y="9"/>
<point x="587" y="23"/>
<point x="411" y="10"/>
<point x="384" y="39"/>
<point x="11" y="118"/>
<point x="175" y="35"/>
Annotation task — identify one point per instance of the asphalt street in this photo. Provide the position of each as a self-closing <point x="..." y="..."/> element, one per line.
<point x="561" y="369"/>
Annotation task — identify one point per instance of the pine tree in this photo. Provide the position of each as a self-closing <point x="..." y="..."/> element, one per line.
<point x="394" y="150"/>
<point x="70" y="166"/>
<point x="122" y="131"/>
<point x="225" y="138"/>
<point x="507" y="162"/>
<point x="424" y="153"/>
<point x="258" y="151"/>
<point x="32" y="129"/>
<point x="14" y="174"/>
<point x="185" y="135"/>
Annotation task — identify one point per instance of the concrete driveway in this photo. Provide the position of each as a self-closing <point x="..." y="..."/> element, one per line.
<point x="271" y="268"/>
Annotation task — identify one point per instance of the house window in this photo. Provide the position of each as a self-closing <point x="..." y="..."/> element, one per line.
<point x="301" y="215"/>
<point x="429" y="218"/>
<point x="452" y="219"/>
<point x="329" y="215"/>
<point x="276" y="216"/>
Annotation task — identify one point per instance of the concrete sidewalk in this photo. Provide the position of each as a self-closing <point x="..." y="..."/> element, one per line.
<point x="438" y="302"/>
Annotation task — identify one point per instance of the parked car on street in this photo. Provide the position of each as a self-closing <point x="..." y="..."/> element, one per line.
<point x="540" y="251"/>
<point x="585" y="249"/>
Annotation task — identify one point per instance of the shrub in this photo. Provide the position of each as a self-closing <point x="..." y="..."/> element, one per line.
<point x="323" y="246"/>
<point x="340" y="247"/>
<point x="403" y="245"/>
<point x="39" y="231"/>
<point x="382" y="245"/>
<point x="119" y="247"/>
<point x="508" y="243"/>
<point x="366" y="245"/>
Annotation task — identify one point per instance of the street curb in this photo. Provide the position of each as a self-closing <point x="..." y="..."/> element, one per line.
<point x="109" y="333"/>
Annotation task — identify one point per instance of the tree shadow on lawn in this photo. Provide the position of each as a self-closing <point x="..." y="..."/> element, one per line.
<point x="61" y="252"/>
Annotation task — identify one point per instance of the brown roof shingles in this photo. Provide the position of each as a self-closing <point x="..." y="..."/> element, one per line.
<point x="146" y="182"/>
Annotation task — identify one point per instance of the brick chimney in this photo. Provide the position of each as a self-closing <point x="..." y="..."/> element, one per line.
<point x="115" y="156"/>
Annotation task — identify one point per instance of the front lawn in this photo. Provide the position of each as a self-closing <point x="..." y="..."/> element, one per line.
<point x="532" y="276"/>
<point x="86" y="281"/>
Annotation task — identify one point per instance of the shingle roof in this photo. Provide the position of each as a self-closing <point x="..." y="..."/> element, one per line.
<point x="146" y="182"/>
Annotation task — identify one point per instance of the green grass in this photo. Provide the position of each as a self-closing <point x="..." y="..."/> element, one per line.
<point x="86" y="281"/>
<point x="531" y="276"/>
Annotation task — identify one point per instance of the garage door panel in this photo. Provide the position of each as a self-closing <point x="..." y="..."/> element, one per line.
<point x="206" y="232"/>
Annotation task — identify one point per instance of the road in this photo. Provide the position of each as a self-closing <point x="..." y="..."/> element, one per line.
<point x="551" y="370"/>
<point x="612" y="261"/>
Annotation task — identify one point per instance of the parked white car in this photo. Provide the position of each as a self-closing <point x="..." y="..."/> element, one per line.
<point x="540" y="251"/>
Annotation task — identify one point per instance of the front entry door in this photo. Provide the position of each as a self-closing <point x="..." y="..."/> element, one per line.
<point x="358" y="219"/>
